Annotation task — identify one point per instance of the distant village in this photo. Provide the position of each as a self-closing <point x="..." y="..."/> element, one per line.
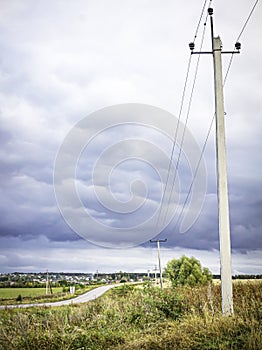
<point x="63" y="279"/>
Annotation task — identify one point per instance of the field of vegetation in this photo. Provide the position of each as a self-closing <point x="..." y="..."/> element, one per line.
<point x="11" y="293"/>
<point x="32" y="295"/>
<point x="141" y="318"/>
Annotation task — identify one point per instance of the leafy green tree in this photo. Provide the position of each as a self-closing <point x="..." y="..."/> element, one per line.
<point x="187" y="271"/>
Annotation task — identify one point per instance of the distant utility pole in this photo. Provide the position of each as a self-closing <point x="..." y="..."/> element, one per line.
<point x="155" y="269"/>
<point x="159" y="259"/>
<point x="222" y="188"/>
<point x="48" y="288"/>
<point x="46" y="283"/>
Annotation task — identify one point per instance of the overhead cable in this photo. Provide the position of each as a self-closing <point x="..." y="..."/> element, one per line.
<point x="239" y="36"/>
<point x="180" y="112"/>
<point x="212" y="121"/>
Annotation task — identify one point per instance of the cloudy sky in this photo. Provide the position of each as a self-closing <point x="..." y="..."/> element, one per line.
<point x="82" y="178"/>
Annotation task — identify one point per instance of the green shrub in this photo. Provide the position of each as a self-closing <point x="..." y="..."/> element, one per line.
<point x="19" y="298"/>
<point x="166" y="301"/>
<point x="187" y="271"/>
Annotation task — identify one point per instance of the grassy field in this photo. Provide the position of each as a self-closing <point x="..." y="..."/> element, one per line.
<point x="37" y="295"/>
<point x="11" y="293"/>
<point x="135" y="318"/>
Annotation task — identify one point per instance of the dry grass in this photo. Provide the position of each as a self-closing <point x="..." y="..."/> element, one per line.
<point x="130" y="318"/>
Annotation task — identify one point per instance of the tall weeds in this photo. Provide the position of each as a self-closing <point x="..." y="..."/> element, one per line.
<point x="140" y="318"/>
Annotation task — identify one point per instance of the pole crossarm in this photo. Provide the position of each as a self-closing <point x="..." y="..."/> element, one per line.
<point x="211" y="52"/>
<point x="158" y="240"/>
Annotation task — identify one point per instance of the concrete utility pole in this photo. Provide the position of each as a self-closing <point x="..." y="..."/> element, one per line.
<point x="47" y="283"/>
<point x="159" y="259"/>
<point x="222" y="188"/>
<point x="224" y="224"/>
<point x="155" y="269"/>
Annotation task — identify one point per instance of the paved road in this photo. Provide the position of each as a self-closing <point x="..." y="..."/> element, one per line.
<point x="91" y="295"/>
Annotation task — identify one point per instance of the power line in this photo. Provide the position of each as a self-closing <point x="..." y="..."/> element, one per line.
<point x="247" y="20"/>
<point x="186" y="121"/>
<point x="210" y="126"/>
<point x="239" y="36"/>
<point x="175" y="138"/>
<point x="180" y="111"/>
<point x="201" y="15"/>
<point x="197" y="167"/>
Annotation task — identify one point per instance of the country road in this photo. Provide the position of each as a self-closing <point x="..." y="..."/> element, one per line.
<point x="91" y="295"/>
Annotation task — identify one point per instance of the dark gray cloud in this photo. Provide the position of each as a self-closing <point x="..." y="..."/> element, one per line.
<point x="62" y="62"/>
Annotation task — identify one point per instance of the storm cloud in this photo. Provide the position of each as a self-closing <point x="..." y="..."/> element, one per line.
<point x="62" y="61"/>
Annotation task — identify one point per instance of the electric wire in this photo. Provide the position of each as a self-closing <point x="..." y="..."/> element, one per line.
<point x="197" y="167"/>
<point x="239" y="36"/>
<point x="247" y="20"/>
<point x="212" y="121"/>
<point x="175" y="138"/>
<point x="200" y="19"/>
<point x="180" y="111"/>
<point x="186" y="120"/>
